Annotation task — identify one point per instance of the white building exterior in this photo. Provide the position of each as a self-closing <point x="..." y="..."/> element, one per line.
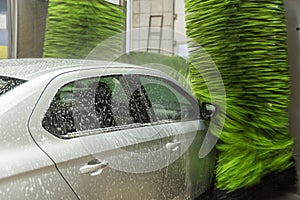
<point x="158" y="26"/>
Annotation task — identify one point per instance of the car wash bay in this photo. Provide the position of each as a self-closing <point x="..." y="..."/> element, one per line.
<point x="29" y="41"/>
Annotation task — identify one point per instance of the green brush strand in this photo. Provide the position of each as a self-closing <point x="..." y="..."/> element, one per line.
<point x="247" y="41"/>
<point x="178" y="65"/>
<point x="74" y="28"/>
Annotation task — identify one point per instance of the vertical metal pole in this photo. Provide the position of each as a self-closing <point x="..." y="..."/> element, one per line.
<point x="13" y="27"/>
<point x="128" y="27"/>
<point x="8" y="20"/>
<point x="173" y="28"/>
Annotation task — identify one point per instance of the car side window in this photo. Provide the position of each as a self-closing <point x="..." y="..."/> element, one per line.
<point x="89" y="104"/>
<point x="168" y="101"/>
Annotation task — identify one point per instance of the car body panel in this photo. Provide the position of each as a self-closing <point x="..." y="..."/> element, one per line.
<point x="29" y="69"/>
<point x="120" y="179"/>
<point x="187" y="175"/>
<point x="26" y="172"/>
<point x="139" y="164"/>
<point x="178" y="123"/>
<point x="44" y="183"/>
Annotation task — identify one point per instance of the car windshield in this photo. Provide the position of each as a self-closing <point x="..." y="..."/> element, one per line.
<point x="9" y="83"/>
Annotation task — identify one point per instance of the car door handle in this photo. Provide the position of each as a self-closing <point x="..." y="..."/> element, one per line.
<point x="173" y="146"/>
<point x="94" y="167"/>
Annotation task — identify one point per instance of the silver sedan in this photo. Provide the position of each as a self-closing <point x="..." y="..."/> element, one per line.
<point x="72" y="129"/>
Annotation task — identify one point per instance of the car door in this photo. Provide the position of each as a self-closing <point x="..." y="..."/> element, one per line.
<point x="177" y="119"/>
<point x="93" y="130"/>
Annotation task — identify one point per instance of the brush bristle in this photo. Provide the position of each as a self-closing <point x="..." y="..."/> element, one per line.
<point x="74" y="28"/>
<point x="247" y="41"/>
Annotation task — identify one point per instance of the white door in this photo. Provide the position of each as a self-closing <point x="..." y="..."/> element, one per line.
<point x="177" y="119"/>
<point x="96" y="134"/>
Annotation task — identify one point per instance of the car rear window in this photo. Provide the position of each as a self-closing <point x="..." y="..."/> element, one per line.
<point x="9" y="83"/>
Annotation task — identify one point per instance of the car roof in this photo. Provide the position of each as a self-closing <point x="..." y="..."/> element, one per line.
<point x="27" y="69"/>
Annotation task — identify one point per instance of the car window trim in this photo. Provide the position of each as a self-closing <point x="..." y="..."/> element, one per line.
<point x="102" y="130"/>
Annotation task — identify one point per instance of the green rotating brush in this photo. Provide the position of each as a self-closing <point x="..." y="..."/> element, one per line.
<point x="247" y="41"/>
<point x="74" y="28"/>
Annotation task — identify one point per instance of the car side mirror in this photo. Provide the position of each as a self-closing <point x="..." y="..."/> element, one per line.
<point x="208" y="110"/>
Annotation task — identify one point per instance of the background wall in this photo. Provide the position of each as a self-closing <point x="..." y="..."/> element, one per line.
<point x="141" y="12"/>
<point x="180" y="47"/>
<point x="31" y="28"/>
<point x="4" y="39"/>
<point x="293" y="29"/>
